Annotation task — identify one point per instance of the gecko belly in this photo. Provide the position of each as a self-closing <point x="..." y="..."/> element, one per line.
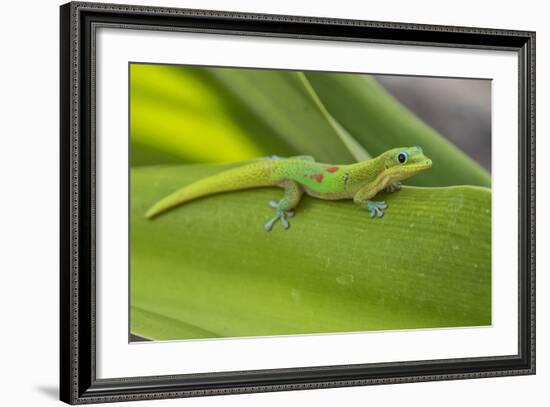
<point x="331" y="196"/>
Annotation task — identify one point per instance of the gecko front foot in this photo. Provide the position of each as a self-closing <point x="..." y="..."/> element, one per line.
<point x="396" y="186"/>
<point x="375" y="208"/>
<point x="279" y="214"/>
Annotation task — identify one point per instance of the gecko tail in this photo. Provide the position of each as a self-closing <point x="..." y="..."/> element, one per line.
<point x="254" y="175"/>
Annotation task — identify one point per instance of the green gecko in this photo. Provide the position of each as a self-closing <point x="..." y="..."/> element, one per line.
<point x="299" y="175"/>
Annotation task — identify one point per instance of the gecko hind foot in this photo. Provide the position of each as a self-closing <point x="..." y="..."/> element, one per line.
<point x="279" y="214"/>
<point x="375" y="208"/>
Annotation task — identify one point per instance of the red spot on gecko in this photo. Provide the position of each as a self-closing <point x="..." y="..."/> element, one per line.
<point x="317" y="177"/>
<point x="332" y="168"/>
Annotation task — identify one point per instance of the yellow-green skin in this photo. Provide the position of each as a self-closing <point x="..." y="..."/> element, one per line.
<point x="299" y="175"/>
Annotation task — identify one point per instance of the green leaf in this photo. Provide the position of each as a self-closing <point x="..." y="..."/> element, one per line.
<point x="356" y="149"/>
<point x="203" y="114"/>
<point x="208" y="268"/>
<point x="379" y="122"/>
<point x="178" y="114"/>
<point x="286" y="103"/>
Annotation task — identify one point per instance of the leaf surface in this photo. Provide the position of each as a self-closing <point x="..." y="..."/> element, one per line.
<point x="208" y="268"/>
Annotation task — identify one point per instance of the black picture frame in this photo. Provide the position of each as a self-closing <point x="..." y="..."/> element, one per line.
<point x="78" y="382"/>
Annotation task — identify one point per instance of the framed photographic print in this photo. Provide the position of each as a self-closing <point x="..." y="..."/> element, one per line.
<point x="257" y="203"/>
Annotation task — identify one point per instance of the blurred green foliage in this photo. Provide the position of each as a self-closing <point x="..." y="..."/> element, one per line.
<point x="208" y="269"/>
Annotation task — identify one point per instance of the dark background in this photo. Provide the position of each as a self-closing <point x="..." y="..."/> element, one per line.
<point x="459" y="109"/>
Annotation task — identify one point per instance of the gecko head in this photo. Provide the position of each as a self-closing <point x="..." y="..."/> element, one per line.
<point x="404" y="162"/>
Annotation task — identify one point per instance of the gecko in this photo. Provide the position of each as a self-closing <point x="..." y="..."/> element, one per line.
<point x="302" y="174"/>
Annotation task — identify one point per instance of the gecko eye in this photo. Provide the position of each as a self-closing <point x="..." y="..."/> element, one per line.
<point x="402" y="157"/>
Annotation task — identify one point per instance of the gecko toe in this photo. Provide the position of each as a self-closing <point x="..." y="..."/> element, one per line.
<point x="284" y="222"/>
<point x="269" y="224"/>
<point x="279" y="215"/>
<point x="396" y="186"/>
<point x="376" y="208"/>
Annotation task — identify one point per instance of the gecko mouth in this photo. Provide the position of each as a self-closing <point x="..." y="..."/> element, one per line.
<point x="399" y="173"/>
<point x="412" y="167"/>
<point x="423" y="165"/>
